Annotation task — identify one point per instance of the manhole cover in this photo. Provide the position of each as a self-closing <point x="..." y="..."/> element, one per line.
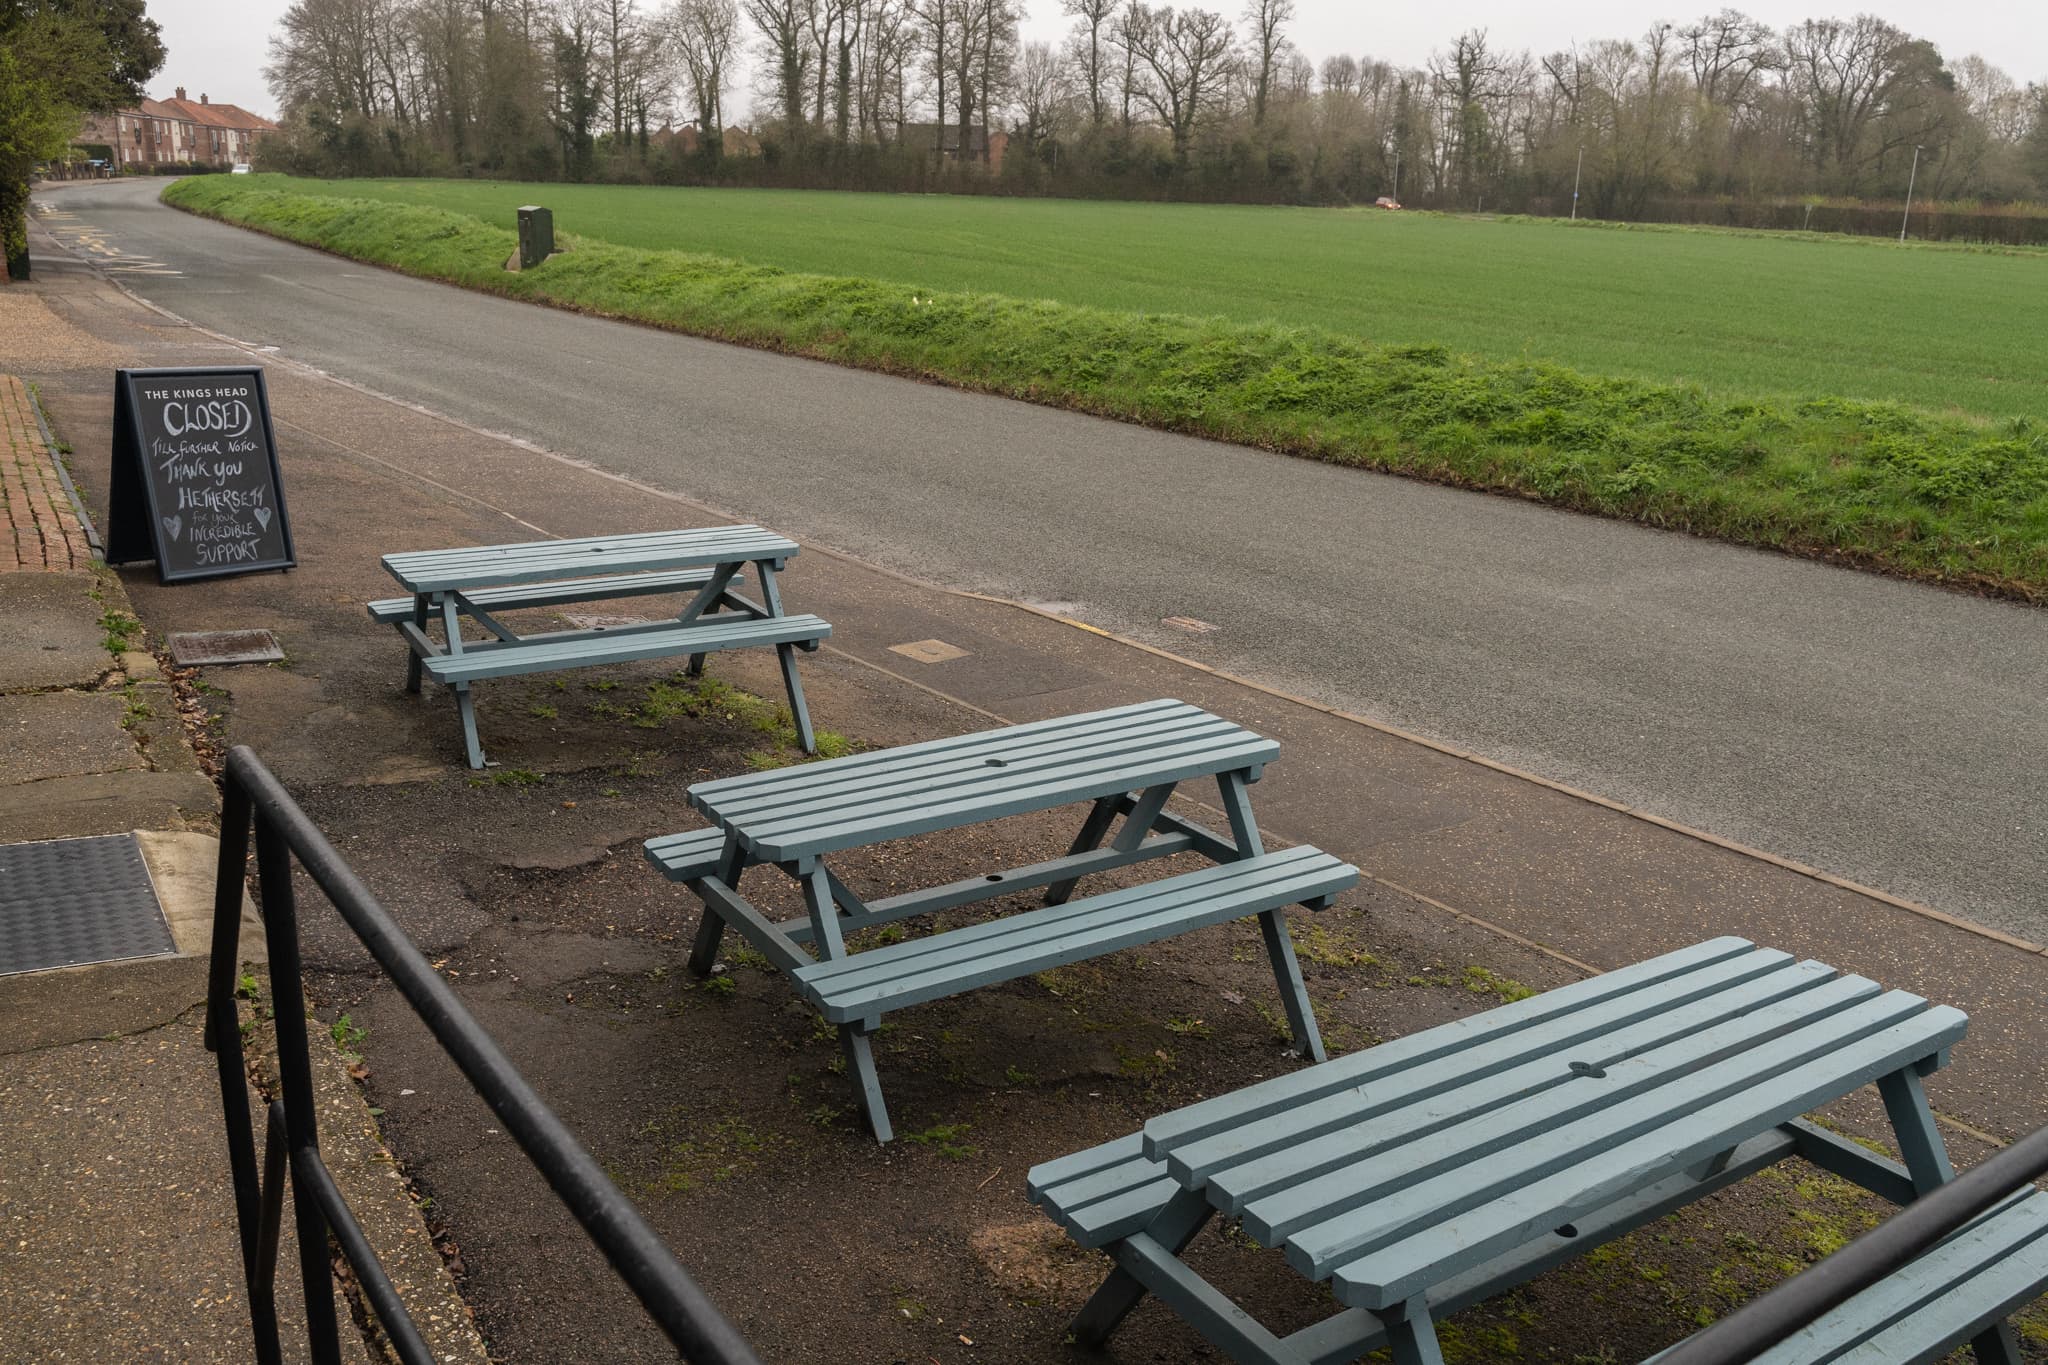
<point x="929" y="651"/>
<point x="225" y="647"/>
<point x="67" y="902"/>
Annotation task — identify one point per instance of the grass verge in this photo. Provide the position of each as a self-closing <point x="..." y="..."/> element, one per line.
<point x="1880" y="485"/>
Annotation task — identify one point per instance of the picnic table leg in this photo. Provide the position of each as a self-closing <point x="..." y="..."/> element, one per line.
<point x="1920" y="1144"/>
<point x="412" y="658"/>
<point x="1144" y="812"/>
<point x="771" y="598"/>
<point x="466" y="707"/>
<point x="704" y="951"/>
<point x="1411" y="1332"/>
<point x="860" y="1068"/>
<point x="798" y="712"/>
<point x="696" y="669"/>
<point x="1926" y="1158"/>
<point x="1173" y="1227"/>
<point x="1301" y="1012"/>
<point x="1092" y="830"/>
<point x="824" y="908"/>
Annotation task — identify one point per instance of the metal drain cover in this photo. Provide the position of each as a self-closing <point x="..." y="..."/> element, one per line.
<point x="225" y="647"/>
<point x="67" y="902"/>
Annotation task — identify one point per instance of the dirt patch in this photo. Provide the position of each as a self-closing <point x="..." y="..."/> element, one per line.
<point x="1035" y="1260"/>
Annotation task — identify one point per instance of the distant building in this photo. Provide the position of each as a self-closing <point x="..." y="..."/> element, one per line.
<point x="178" y="131"/>
<point x="684" y="141"/>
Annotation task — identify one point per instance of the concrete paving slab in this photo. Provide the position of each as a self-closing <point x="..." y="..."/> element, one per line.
<point x="49" y="634"/>
<point x="118" y="1249"/>
<point x="108" y="803"/>
<point x="63" y="734"/>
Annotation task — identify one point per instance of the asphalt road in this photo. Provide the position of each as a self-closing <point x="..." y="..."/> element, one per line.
<point x="1886" y="732"/>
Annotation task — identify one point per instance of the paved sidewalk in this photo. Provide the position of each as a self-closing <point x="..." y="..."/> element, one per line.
<point x="117" y="1229"/>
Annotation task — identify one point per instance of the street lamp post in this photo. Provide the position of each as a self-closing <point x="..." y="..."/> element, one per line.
<point x="1910" y="179"/>
<point x="1397" y="175"/>
<point x="1575" y="181"/>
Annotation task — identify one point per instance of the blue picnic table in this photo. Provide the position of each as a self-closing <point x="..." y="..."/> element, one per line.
<point x="1126" y="763"/>
<point x="707" y="564"/>
<point x="1428" y="1173"/>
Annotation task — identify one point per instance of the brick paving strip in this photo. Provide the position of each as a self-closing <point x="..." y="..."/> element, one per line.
<point x="39" y="526"/>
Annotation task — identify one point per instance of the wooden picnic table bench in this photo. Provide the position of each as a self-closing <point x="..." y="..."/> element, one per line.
<point x="1961" y="1289"/>
<point x="1127" y="762"/>
<point x="1425" y="1174"/>
<point x="475" y="583"/>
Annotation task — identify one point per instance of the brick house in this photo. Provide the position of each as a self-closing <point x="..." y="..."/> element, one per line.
<point x="178" y="131"/>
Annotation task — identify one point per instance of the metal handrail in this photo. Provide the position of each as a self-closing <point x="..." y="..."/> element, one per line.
<point x="1804" y="1299"/>
<point x="253" y="798"/>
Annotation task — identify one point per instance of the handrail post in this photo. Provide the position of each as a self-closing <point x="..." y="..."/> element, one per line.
<point x="295" y="1078"/>
<point x="286" y="840"/>
<point x="224" y="1038"/>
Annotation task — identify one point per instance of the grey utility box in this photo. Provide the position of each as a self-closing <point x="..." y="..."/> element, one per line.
<point x="536" y="235"/>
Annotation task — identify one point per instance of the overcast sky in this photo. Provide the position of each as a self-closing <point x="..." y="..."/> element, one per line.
<point x="220" y="48"/>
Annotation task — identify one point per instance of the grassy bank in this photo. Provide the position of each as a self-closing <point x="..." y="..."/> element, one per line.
<point x="1946" y="497"/>
<point x="1943" y="328"/>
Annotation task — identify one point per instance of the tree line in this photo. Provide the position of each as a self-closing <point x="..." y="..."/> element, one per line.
<point x="61" y="60"/>
<point x="1145" y="100"/>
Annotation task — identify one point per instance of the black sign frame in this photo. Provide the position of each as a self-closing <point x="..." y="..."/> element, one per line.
<point x="135" y="526"/>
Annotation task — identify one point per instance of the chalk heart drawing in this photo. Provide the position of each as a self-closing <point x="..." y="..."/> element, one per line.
<point x="262" y="517"/>
<point x="173" y="525"/>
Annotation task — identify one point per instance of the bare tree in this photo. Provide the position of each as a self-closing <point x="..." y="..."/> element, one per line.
<point x="1340" y="75"/>
<point x="1041" y="93"/>
<point x="704" y="35"/>
<point x="1090" y="38"/>
<point x="1185" y="55"/>
<point x="1264" y="20"/>
<point x="1863" y="89"/>
<point x="785" y="27"/>
<point x="1728" y="53"/>
<point x="1463" y="80"/>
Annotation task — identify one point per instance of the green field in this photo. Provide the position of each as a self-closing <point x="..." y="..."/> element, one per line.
<point x="1738" y="447"/>
<point x="1937" y="327"/>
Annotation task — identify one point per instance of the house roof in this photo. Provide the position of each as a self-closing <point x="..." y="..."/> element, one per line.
<point x="215" y="115"/>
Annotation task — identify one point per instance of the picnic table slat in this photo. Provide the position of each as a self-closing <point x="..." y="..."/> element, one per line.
<point x="631" y="542"/>
<point x="1439" y="1197"/>
<point x="1121" y="1214"/>
<point x="1011" y="792"/>
<point x="864" y="777"/>
<point x="1381" y="1256"/>
<point x="1418" y="1104"/>
<point x="1938" y="1300"/>
<point x="1001" y="950"/>
<point x="488" y="566"/>
<point x="1089" y="1160"/>
<point x="559" y="592"/>
<point x="746" y="784"/>
<point x="828" y="791"/>
<point x="546" y="656"/>
<point x="1296" y="1127"/>
<point x="994" y="935"/>
<point x="1490" y="1140"/>
<point x="1166" y="1133"/>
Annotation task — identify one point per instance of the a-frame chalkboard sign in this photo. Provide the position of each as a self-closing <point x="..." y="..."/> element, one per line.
<point x="195" y="483"/>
